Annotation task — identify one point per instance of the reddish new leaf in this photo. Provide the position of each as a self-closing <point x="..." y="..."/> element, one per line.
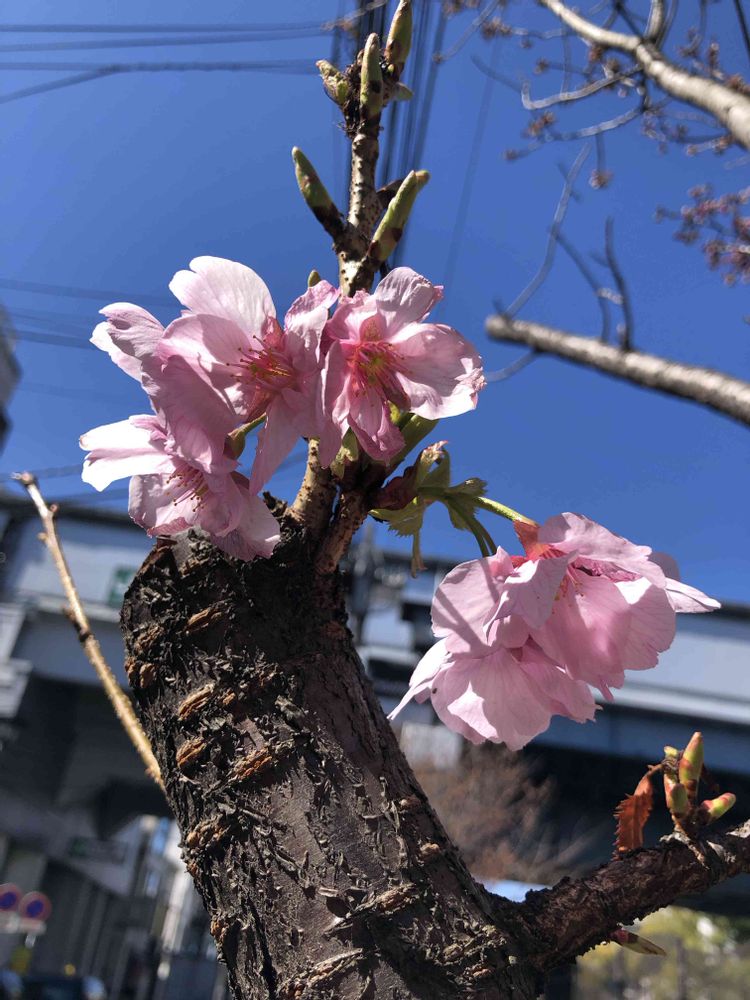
<point x="631" y="815"/>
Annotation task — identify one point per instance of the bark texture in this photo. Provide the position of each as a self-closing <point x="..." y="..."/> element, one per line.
<point x="323" y="868"/>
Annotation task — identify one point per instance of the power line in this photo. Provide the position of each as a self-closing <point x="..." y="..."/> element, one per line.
<point x="292" y="67"/>
<point x="112" y="29"/>
<point x="50" y="338"/>
<point x="52" y="472"/>
<point x="469" y="177"/>
<point x="68" y="291"/>
<point x="261" y="65"/>
<point x="127" y="43"/>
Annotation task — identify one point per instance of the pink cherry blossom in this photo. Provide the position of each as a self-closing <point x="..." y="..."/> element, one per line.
<point x="581" y="607"/>
<point x="378" y="351"/>
<point x="506" y="695"/>
<point x="232" y="336"/>
<point x="127" y="334"/>
<point x="183" y="474"/>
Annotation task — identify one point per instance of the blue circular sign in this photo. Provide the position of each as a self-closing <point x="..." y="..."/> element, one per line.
<point x="35" y="906"/>
<point x="9" y="897"/>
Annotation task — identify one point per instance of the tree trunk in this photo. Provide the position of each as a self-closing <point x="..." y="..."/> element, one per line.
<point x="324" y="870"/>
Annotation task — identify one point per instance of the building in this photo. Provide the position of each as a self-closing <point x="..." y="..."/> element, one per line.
<point x="81" y="822"/>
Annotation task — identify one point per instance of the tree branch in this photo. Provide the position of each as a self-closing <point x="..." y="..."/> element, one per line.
<point x="728" y="106"/>
<point x="573" y="917"/>
<point x="718" y="391"/>
<point x="79" y="619"/>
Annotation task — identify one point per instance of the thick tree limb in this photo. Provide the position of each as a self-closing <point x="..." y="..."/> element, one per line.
<point x="724" y="393"/>
<point x="572" y="917"/>
<point x="727" y="106"/>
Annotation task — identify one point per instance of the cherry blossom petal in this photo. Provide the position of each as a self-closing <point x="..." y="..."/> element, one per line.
<point x="434" y="660"/>
<point x="276" y="438"/>
<point x="652" y="624"/>
<point x="583" y="538"/>
<point x="198" y="417"/>
<point x="588" y="629"/>
<point x="160" y="506"/>
<point x="492" y="698"/>
<point x="308" y="314"/>
<point x="439" y="372"/>
<point x="465" y="599"/>
<point x="370" y="419"/>
<point x="531" y="588"/>
<point x="403" y="297"/>
<point x="689" y="599"/>
<point x="254" y="531"/>
<point x="127" y="334"/>
<point x="226" y="289"/>
<point x="122" y="449"/>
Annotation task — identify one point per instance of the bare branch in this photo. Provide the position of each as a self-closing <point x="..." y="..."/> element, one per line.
<point x="723" y="393"/>
<point x="574" y="916"/>
<point x="593" y="284"/>
<point x="554" y="232"/>
<point x="570" y="96"/>
<point x="728" y="106"/>
<point x="117" y="697"/>
<point x="626" y="330"/>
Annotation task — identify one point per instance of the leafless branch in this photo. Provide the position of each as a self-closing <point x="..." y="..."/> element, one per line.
<point x="554" y="232"/>
<point x="716" y="390"/>
<point x="728" y="106"/>
<point x="625" y="331"/>
<point x="570" y="96"/>
<point x="117" y="697"/>
<point x="593" y="284"/>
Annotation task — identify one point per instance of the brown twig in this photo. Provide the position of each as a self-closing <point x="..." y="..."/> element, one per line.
<point x="117" y="697"/>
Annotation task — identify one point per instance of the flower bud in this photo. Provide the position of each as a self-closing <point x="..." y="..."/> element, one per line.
<point x="677" y="798"/>
<point x="334" y="81"/>
<point x="398" y="46"/>
<point x="371" y="81"/>
<point x="713" y="809"/>
<point x="691" y="765"/>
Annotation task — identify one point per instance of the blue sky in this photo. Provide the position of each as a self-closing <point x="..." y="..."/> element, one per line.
<point x="117" y="183"/>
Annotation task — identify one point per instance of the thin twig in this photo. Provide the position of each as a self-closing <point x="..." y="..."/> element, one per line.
<point x="590" y="279"/>
<point x="625" y="330"/>
<point x="562" y="206"/>
<point x="117" y="697"/>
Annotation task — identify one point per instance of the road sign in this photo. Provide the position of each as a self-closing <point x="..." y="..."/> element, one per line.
<point x="10" y="896"/>
<point x="35" y="906"/>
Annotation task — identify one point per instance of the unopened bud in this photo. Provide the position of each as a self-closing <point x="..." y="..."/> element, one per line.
<point x="371" y="81"/>
<point x="713" y="809"/>
<point x="313" y="279"/>
<point x="394" y="220"/>
<point x="398" y="46"/>
<point x="671" y="752"/>
<point x="691" y="765"/>
<point x="636" y="943"/>
<point x="677" y="798"/>
<point x="334" y="82"/>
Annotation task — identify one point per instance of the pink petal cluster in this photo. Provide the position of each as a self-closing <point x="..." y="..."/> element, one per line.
<point x="183" y="474"/>
<point x="379" y="350"/>
<point x="523" y="637"/>
<point x="227" y="363"/>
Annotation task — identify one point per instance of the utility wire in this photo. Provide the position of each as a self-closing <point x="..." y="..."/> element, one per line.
<point x="128" y="43"/>
<point x="111" y="29"/>
<point x="260" y="65"/>
<point x="459" y="224"/>
<point x="100" y="294"/>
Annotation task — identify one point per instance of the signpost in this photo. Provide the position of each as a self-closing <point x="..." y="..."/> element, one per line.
<point x="23" y="914"/>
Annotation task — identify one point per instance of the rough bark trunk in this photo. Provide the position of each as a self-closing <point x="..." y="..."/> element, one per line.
<point x="323" y="868"/>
